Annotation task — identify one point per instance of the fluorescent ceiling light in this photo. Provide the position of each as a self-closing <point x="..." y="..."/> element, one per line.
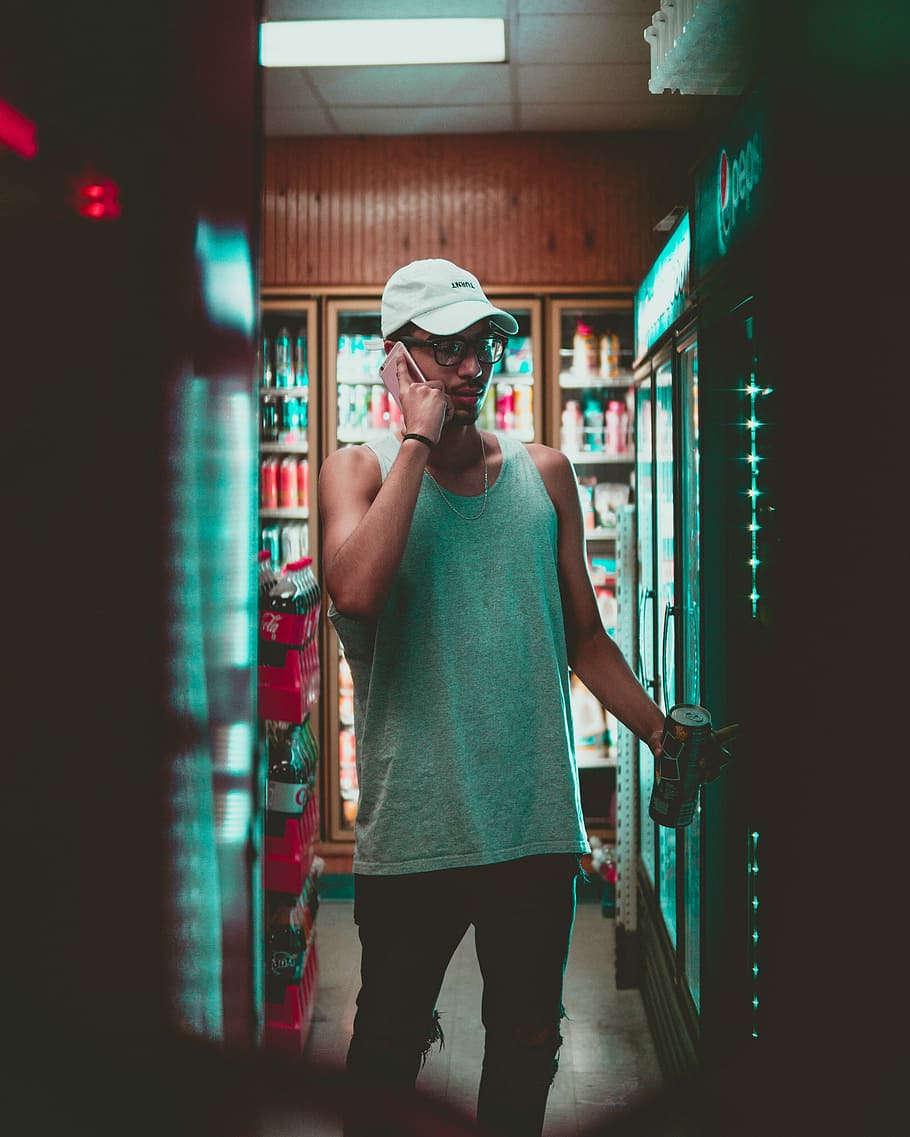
<point x="365" y="43"/>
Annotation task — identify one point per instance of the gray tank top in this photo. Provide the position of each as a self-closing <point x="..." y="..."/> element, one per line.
<point x="462" y="712"/>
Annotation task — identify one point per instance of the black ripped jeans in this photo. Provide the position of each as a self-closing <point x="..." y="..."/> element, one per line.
<point x="410" y="926"/>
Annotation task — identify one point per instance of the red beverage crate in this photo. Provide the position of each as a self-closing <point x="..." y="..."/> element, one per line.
<point x="288" y="859"/>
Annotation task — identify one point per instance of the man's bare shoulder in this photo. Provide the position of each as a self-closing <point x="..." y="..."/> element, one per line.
<point x="351" y="462"/>
<point x="551" y="463"/>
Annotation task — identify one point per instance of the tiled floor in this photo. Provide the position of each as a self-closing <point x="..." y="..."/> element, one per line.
<point x="607" y="1059"/>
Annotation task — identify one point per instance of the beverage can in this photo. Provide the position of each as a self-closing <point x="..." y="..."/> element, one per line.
<point x="271" y="541"/>
<point x="287" y="483"/>
<point x="268" y="483"/>
<point x="674" y="795"/>
<point x="303" y="483"/>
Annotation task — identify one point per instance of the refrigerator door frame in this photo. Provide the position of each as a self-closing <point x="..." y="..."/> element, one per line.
<point x="279" y="303"/>
<point x="337" y="837"/>
<point x="669" y="350"/>
<point x="513" y="302"/>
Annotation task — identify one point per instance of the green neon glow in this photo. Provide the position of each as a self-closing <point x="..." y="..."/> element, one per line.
<point x="752" y="861"/>
<point x="752" y="424"/>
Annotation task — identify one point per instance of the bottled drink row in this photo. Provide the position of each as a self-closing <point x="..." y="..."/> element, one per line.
<point x="283" y="418"/>
<point x="601" y="502"/>
<point x="597" y="424"/>
<point x="593" y="355"/>
<point x="363" y="410"/>
<point x="359" y="357"/>
<point x="284" y="483"/>
<point x="285" y="543"/>
<point x="284" y="362"/>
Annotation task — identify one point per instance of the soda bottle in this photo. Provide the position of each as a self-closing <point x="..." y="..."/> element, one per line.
<point x="266" y="378"/>
<point x="286" y="794"/>
<point x="284" y="365"/>
<point x="267" y="576"/>
<point x="270" y="541"/>
<point x="285" y="950"/>
<point x="268" y="421"/>
<point x="300" y="365"/>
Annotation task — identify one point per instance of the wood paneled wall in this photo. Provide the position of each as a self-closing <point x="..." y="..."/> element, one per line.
<point x="559" y="209"/>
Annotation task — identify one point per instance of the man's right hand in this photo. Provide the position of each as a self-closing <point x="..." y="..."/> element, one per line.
<point x="424" y="406"/>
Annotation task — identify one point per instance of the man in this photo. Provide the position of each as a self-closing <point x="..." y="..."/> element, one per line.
<point x="455" y="560"/>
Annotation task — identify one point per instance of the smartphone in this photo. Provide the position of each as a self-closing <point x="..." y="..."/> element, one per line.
<point x="388" y="370"/>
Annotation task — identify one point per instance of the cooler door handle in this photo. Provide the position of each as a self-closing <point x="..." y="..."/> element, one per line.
<point x="644" y="597"/>
<point x="669" y="610"/>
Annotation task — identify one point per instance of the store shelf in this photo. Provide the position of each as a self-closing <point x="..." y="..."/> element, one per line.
<point x="300" y="446"/>
<point x="573" y="381"/>
<point x="598" y="458"/>
<point x="594" y="761"/>
<point x="286" y="513"/>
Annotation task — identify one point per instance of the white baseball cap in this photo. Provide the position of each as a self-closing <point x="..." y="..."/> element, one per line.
<point x="439" y="297"/>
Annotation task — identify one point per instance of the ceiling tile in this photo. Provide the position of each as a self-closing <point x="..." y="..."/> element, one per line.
<point x="581" y="39"/>
<point x="585" y="83"/>
<point x="286" y="87"/>
<point x="290" y="121"/>
<point x="376" y="9"/>
<point x="423" y="86"/>
<point x="424" y="120"/>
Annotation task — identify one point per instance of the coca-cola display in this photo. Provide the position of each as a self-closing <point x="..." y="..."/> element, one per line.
<point x="292" y="761"/>
<point x="288" y="668"/>
<point x="288" y="646"/>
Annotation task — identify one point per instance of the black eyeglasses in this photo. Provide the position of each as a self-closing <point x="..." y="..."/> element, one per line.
<point x="450" y="352"/>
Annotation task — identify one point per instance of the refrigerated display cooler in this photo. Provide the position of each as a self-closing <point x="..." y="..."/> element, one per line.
<point x="289" y="371"/>
<point x="669" y="612"/>
<point x="702" y="526"/>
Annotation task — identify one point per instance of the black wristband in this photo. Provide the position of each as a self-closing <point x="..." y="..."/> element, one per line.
<point x="421" y="438"/>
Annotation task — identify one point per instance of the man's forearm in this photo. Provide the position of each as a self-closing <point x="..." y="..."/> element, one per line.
<point x="601" y="666"/>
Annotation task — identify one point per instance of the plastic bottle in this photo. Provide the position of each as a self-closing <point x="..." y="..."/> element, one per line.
<point x="593" y="423"/>
<point x="613" y="442"/>
<point x="505" y="406"/>
<point x="301" y="374"/>
<point x="270" y="539"/>
<point x="524" y="409"/>
<point x="266" y="377"/>
<point x="267" y="576"/>
<point x="268" y="421"/>
<point x="284" y="365"/>
<point x="285" y="951"/>
<point x="287" y="791"/>
<point x="606" y="357"/>
<point x="584" y="350"/>
<point x="572" y="431"/>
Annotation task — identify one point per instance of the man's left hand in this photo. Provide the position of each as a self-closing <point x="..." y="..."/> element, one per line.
<point x="713" y="756"/>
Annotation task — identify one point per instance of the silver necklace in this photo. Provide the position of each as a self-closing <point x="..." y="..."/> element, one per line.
<point x="486" y="487"/>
